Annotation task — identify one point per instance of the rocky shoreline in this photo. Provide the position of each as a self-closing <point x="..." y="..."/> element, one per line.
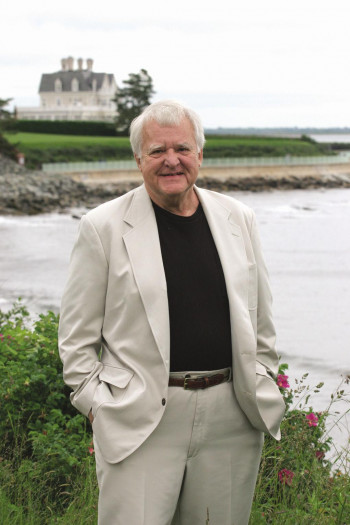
<point x="27" y="192"/>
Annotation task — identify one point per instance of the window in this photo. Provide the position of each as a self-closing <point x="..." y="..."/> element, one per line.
<point x="58" y="85"/>
<point x="75" y="85"/>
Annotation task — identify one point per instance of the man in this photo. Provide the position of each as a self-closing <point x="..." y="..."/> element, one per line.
<point x="167" y="340"/>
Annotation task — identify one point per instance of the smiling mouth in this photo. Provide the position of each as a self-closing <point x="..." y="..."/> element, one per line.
<point x="177" y="173"/>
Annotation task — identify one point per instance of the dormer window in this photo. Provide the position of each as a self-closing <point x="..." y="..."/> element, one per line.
<point x="75" y="85"/>
<point x="58" y="85"/>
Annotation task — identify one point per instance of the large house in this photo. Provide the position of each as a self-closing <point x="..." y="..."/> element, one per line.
<point x="74" y="94"/>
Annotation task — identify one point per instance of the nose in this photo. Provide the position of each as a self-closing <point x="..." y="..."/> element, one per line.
<point x="171" y="158"/>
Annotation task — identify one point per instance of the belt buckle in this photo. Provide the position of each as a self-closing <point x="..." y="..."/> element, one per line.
<point x="189" y="377"/>
<point x="186" y="378"/>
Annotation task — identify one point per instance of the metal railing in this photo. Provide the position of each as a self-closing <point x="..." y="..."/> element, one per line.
<point x="276" y="161"/>
<point x="77" y="167"/>
<point x="115" y="165"/>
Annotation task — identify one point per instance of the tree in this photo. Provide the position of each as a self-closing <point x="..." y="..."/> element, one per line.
<point x="6" y="119"/>
<point x="133" y="98"/>
<point x="4" y="113"/>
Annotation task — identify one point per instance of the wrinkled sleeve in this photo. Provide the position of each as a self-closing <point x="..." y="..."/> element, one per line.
<point x="82" y="314"/>
<point x="266" y="334"/>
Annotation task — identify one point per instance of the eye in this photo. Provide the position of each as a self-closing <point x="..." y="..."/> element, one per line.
<point x="183" y="149"/>
<point x="156" y="152"/>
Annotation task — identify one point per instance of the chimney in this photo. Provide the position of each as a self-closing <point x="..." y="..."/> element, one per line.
<point x="89" y="63"/>
<point x="64" y="64"/>
<point x="80" y="64"/>
<point x="70" y="61"/>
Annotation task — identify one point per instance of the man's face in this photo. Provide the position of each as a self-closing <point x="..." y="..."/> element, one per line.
<point x="169" y="160"/>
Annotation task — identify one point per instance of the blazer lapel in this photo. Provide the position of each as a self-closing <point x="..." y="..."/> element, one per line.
<point x="143" y="247"/>
<point x="229" y="242"/>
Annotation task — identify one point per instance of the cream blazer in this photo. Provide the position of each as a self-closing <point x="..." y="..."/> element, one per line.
<point x="114" y="336"/>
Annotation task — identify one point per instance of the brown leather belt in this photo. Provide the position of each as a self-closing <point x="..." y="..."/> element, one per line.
<point x="200" y="381"/>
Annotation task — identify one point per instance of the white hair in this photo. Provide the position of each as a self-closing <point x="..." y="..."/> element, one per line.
<point x="165" y="113"/>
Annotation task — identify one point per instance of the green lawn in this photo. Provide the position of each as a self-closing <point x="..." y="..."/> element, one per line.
<point x="40" y="148"/>
<point x="43" y="140"/>
<point x="46" y="141"/>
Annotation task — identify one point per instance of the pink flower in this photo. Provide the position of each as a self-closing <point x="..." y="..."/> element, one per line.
<point x="2" y="337"/>
<point x="282" y="381"/>
<point x="286" y="476"/>
<point x="319" y="454"/>
<point x="91" y="450"/>
<point x="312" y="419"/>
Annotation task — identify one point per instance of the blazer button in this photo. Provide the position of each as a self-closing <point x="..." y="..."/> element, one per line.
<point x="163" y="401"/>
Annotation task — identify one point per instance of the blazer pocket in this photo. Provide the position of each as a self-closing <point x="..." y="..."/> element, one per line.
<point x="269" y="399"/>
<point x="112" y="387"/>
<point x="115" y="376"/>
<point x="82" y="396"/>
<point x="253" y="287"/>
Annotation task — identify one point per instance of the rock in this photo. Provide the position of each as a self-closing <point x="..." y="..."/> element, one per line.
<point x="29" y="192"/>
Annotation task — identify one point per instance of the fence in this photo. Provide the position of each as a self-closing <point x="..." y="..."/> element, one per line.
<point x="115" y="165"/>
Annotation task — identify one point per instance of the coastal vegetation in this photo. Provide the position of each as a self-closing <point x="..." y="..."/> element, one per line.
<point x="47" y="471"/>
<point x="6" y="147"/>
<point x="40" y="148"/>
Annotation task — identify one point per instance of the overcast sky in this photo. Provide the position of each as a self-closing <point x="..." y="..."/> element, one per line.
<point x="238" y="63"/>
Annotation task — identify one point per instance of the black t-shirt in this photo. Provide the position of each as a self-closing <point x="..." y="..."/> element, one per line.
<point x="200" y="334"/>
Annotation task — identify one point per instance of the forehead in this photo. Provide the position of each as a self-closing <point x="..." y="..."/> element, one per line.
<point x="154" y="133"/>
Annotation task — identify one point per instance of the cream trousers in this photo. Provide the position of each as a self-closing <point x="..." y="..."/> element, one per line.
<point x="202" y="460"/>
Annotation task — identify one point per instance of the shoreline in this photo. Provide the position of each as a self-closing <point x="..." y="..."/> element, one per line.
<point x="243" y="178"/>
<point x="27" y="192"/>
<point x="266" y="172"/>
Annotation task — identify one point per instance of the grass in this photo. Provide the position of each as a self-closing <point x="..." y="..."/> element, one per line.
<point x="24" y="506"/>
<point x="46" y="141"/>
<point x="41" y="148"/>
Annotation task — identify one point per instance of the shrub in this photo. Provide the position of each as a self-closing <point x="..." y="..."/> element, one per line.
<point x="35" y="157"/>
<point x="68" y="127"/>
<point x="43" y="438"/>
<point x="46" y="456"/>
<point x="7" y="149"/>
<point x="298" y="481"/>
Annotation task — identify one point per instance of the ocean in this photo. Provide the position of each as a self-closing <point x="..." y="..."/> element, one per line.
<point x="306" y="241"/>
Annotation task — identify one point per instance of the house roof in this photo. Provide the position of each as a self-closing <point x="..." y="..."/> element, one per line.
<point x="84" y="77"/>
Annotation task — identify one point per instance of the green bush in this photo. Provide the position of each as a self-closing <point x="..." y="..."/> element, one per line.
<point x="7" y="149"/>
<point x="237" y="146"/>
<point x="43" y="438"/>
<point x="35" y="157"/>
<point x="47" y="471"/>
<point x="299" y="481"/>
<point x="68" y="127"/>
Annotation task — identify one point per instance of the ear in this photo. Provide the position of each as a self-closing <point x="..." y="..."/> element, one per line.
<point x="200" y="158"/>
<point x="138" y="161"/>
